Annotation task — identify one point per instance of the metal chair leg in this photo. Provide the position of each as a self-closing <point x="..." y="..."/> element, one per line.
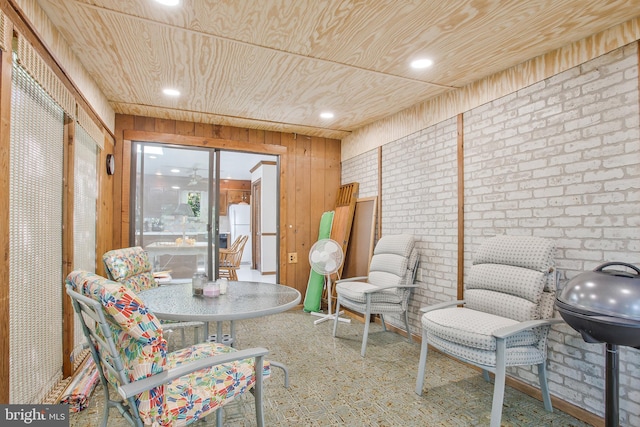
<point x="498" y="383"/>
<point x="422" y="364"/>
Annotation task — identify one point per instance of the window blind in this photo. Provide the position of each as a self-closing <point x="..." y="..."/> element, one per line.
<point x="84" y="213"/>
<point x="35" y="226"/>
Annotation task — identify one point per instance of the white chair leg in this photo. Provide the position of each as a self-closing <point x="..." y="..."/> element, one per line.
<point x="498" y="385"/>
<point x="219" y="417"/>
<point x="384" y="324"/>
<point x="544" y="386"/>
<point x="422" y="364"/>
<point x="367" y="319"/>
<point x="406" y="324"/>
<point x="335" y="319"/>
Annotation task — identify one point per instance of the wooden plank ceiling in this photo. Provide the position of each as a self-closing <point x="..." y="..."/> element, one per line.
<point x="275" y="65"/>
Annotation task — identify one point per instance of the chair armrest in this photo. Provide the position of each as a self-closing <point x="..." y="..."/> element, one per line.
<point x="522" y="326"/>
<point x="164" y="377"/>
<point x="352" y="279"/>
<point x="441" y="305"/>
<point x="379" y="288"/>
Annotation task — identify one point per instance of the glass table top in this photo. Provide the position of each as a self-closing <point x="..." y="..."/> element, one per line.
<point x="243" y="300"/>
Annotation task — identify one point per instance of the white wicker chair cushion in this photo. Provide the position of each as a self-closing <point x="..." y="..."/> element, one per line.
<point x="515" y="356"/>
<point x="517" y="281"/>
<point x="473" y="329"/>
<point x="547" y="303"/>
<point x="376" y="307"/>
<point x="383" y="278"/>
<point x="389" y="264"/>
<point x="395" y="244"/>
<point x="354" y="291"/>
<point x="534" y="253"/>
<point x="500" y="304"/>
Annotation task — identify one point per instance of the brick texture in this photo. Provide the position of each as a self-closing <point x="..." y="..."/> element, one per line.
<point x="558" y="159"/>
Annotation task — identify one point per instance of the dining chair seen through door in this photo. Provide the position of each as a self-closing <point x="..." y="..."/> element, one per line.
<point x="230" y="259"/>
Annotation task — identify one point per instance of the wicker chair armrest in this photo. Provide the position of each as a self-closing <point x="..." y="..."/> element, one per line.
<point x="441" y="305"/>
<point x="522" y="326"/>
<point x="380" y="288"/>
<point x="353" y="279"/>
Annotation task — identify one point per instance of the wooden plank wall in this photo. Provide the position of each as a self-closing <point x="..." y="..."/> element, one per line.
<point x="309" y="180"/>
<point x="5" y="139"/>
<point x="105" y="236"/>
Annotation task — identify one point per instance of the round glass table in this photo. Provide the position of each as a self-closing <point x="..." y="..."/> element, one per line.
<point x="243" y="300"/>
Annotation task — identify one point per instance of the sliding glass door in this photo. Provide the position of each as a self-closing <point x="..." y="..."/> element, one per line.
<point x="174" y="219"/>
<point x="187" y="203"/>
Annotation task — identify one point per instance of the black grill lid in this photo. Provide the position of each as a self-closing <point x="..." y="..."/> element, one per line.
<point x="609" y="292"/>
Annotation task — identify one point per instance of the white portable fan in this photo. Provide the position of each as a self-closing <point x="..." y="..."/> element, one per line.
<point x="326" y="258"/>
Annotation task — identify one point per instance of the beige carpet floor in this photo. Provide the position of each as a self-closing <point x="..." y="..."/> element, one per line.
<point x="331" y="385"/>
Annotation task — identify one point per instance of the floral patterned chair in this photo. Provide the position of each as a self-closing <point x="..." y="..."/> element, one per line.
<point x="160" y="388"/>
<point x="131" y="267"/>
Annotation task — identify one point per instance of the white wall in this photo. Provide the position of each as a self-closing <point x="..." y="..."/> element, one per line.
<point x="558" y="159"/>
<point x="268" y="220"/>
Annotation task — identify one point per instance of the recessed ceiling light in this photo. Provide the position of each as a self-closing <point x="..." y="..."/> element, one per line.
<point x="175" y="187"/>
<point x="171" y="92"/>
<point x="422" y="63"/>
<point x="169" y="2"/>
<point x="153" y="157"/>
<point x="326" y="115"/>
<point x="175" y="170"/>
<point x="159" y="173"/>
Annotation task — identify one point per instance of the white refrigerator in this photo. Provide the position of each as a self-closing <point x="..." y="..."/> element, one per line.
<point x="239" y="224"/>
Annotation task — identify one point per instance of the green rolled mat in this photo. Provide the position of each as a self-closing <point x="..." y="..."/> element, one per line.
<point x="316" y="281"/>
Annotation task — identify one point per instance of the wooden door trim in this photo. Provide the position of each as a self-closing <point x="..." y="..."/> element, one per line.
<point x="6" y="72"/>
<point x="256" y="227"/>
<point x="198" y="141"/>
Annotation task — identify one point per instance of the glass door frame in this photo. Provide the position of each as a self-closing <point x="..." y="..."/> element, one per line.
<point x="213" y="188"/>
<point x="167" y="139"/>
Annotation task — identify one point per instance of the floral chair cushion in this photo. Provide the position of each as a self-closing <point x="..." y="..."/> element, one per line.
<point x="142" y="348"/>
<point x="211" y="387"/>
<point x="130" y="266"/>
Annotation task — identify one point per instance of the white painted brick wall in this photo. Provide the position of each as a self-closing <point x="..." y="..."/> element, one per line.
<point x="573" y="176"/>
<point x="559" y="159"/>
<point x="419" y="190"/>
<point x="362" y="169"/>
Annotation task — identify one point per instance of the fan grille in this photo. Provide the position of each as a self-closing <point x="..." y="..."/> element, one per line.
<point x="326" y="256"/>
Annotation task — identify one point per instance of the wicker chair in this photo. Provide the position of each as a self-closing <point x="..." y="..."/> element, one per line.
<point x="160" y="388"/>
<point x="387" y="288"/>
<point x="229" y="259"/>
<point x="505" y="316"/>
